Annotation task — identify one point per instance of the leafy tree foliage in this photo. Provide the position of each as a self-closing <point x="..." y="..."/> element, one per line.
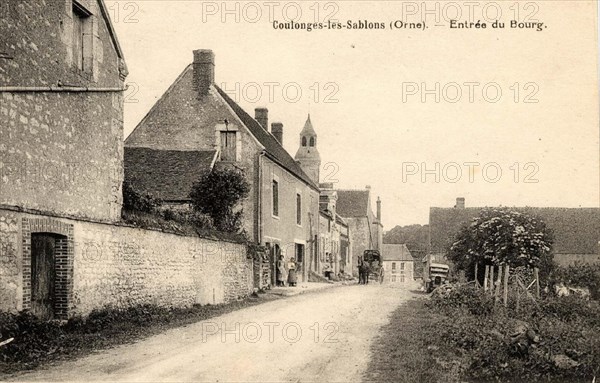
<point x="217" y="194"/>
<point x="415" y="237"/>
<point x="502" y="236"/>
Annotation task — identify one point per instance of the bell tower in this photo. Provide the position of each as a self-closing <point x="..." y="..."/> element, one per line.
<point x="307" y="155"/>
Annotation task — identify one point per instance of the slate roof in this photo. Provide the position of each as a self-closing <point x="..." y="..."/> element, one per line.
<point x="272" y="146"/>
<point x="166" y="174"/>
<point x="308" y="129"/>
<point x="396" y="252"/>
<point x="353" y="203"/>
<point x="576" y="230"/>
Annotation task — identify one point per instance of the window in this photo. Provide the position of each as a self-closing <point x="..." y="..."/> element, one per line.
<point x="299" y="253"/>
<point x="402" y="266"/>
<point x="312" y="141"/>
<point x="299" y="209"/>
<point x="393" y="266"/>
<point x="275" y="198"/>
<point x="393" y="278"/>
<point x="303" y="141"/>
<point x="228" y="146"/>
<point x="80" y="26"/>
<point x="402" y="278"/>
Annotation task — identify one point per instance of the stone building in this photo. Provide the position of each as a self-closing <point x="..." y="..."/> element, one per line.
<point x="398" y="264"/>
<point x="194" y="114"/>
<point x="61" y="123"/>
<point x="63" y="249"/>
<point x="61" y="112"/>
<point x="365" y="228"/>
<point x="576" y="230"/>
<point x="334" y="242"/>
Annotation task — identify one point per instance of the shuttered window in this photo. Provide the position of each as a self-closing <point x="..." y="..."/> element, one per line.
<point x="275" y="198"/>
<point x="78" y="40"/>
<point x="298" y="209"/>
<point x="228" y="146"/>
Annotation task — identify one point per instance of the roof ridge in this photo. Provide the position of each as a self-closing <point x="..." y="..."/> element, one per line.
<point x="243" y="115"/>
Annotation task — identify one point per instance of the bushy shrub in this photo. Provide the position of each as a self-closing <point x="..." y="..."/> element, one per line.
<point x="463" y="296"/>
<point x="134" y="200"/>
<point x="198" y="220"/>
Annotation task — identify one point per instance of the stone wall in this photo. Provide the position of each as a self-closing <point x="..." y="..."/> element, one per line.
<point x="122" y="266"/>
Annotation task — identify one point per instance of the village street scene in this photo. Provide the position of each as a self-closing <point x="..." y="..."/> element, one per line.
<point x="196" y="191"/>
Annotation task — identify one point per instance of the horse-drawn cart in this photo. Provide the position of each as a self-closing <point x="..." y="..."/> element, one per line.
<point x="370" y="267"/>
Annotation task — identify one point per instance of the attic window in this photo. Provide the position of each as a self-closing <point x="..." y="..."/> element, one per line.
<point x="228" y="146"/>
<point x="81" y="37"/>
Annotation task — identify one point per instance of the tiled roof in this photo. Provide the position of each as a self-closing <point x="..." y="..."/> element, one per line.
<point x="576" y="230"/>
<point x="272" y="146"/>
<point x="395" y="252"/>
<point x="353" y="203"/>
<point x="166" y="174"/>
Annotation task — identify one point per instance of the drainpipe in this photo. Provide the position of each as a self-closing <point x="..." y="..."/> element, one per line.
<point x="259" y="199"/>
<point x="53" y="89"/>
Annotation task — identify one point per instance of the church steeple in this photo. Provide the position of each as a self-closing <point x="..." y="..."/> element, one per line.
<point x="307" y="155"/>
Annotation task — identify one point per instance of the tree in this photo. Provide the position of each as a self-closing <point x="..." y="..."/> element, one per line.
<point x="502" y="236"/>
<point x="217" y="194"/>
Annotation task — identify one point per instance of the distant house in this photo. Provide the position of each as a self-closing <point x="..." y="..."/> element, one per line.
<point x="334" y="241"/>
<point x="398" y="263"/>
<point x="576" y="230"/>
<point x="366" y="230"/>
<point x="195" y="115"/>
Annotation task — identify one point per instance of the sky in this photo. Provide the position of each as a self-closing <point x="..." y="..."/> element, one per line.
<point x="499" y="116"/>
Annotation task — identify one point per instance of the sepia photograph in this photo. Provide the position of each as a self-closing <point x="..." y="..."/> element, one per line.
<point x="348" y="191"/>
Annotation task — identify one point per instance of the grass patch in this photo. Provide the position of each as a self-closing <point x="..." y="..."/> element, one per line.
<point x="408" y="349"/>
<point x="38" y="343"/>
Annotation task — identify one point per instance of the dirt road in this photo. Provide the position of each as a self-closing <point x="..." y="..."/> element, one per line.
<point x="321" y="336"/>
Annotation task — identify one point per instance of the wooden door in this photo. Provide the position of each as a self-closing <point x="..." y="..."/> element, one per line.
<point x="42" y="275"/>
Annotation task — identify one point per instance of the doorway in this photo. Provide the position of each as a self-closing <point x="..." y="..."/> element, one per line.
<point x="43" y="274"/>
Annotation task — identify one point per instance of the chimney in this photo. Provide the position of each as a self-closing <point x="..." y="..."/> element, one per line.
<point x="277" y="131"/>
<point x="460" y="203"/>
<point x="204" y="70"/>
<point x="262" y="116"/>
<point x="378" y="210"/>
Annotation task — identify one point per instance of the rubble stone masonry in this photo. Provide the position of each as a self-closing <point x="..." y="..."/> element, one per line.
<point x="100" y="265"/>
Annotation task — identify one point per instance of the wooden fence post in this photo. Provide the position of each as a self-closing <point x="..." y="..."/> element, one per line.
<point x="492" y="280"/>
<point x="505" y="297"/>
<point x="485" y="278"/>
<point x="536" y="275"/>
<point x="517" y="287"/>
<point x="498" y="285"/>
<point x="476" y="275"/>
